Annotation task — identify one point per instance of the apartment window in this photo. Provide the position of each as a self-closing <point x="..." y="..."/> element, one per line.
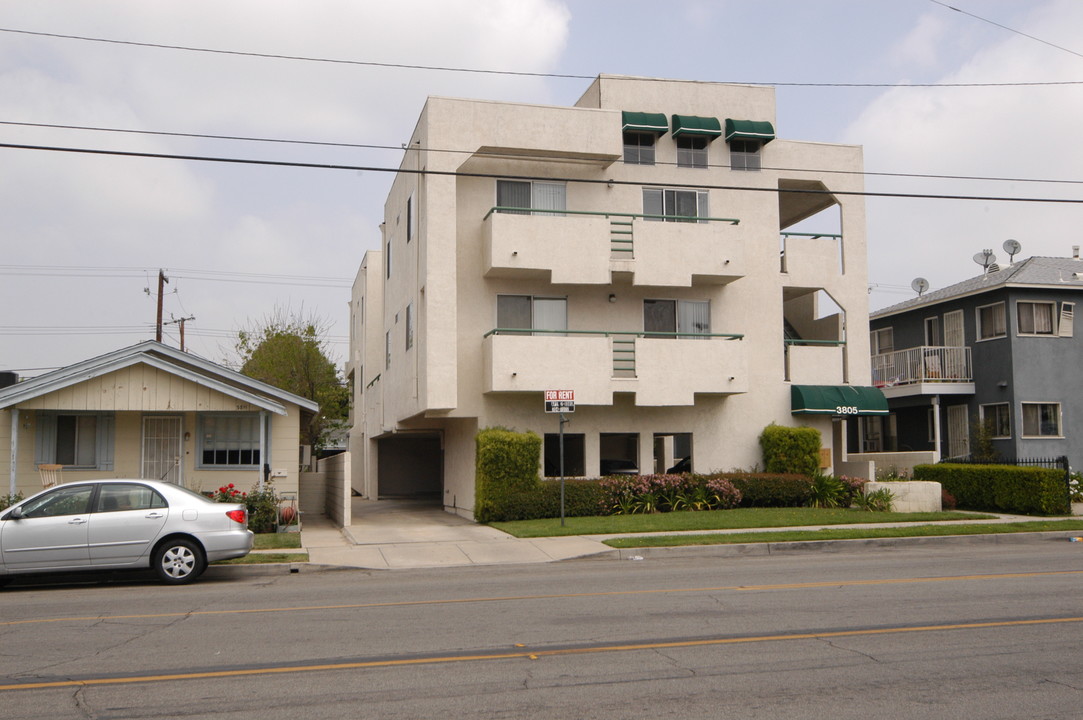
<point x="882" y="341"/>
<point x="411" y="217"/>
<point x="1067" y="319"/>
<point x="229" y="441"/>
<point x="675" y="205"/>
<point x="991" y="322"/>
<point x="639" y="148"/>
<point x="549" y="316"/>
<point x="745" y="154"/>
<point x="692" y="151"/>
<point x="575" y="463"/>
<point x="541" y="198"/>
<point x="677" y="316"/>
<point x="409" y="326"/>
<point x="933" y="336"/>
<point x="999" y="418"/>
<point x="618" y="454"/>
<point x="387" y="350"/>
<point x="1041" y="420"/>
<point x="1035" y="318"/>
<point x="387" y="257"/>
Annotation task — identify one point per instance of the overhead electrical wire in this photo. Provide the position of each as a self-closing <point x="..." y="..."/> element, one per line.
<point x="588" y="181"/>
<point x="188" y="274"/>
<point x="1005" y="27"/>
<point x="511" y="73"/>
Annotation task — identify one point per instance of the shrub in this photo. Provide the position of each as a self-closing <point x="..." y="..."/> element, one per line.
<point x="507" y="474"/>
<point x="947" y="500"/>
<point x="1001" y="488"/>
<point x="827" y="492"/>
<point x="771" y="490"/>
<point x="262" y="508"/>
<point x="790" y="449"/>
<point x="722" y="494"/>
<point x="852" y="487"/>
<point x="875" y="501"/>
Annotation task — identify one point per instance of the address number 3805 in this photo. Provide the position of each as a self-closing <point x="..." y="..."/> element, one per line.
<point x="845" y="410"/>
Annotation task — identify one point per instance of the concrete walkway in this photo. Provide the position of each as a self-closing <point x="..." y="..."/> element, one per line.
<point x="399" y="534"/>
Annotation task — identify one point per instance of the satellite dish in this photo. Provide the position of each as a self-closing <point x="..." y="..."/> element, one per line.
<point x="920" y="285"/>
<point x="1012" y="247"/>
<point x="985" y="258"/>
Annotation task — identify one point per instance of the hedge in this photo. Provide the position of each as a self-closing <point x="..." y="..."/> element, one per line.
<point x="506" y="473"/>
<point x="771" y="489"/>
<point x="1001" y="488"/>
<point x="790" y="449"/>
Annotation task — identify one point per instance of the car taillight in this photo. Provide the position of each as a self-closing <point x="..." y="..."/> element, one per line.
<point x="240" y="516"/>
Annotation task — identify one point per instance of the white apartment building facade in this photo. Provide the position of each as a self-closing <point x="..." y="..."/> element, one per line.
<point x="641" y="249"/>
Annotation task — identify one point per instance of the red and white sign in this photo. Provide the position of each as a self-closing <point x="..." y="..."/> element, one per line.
<point x="559" y="401"/>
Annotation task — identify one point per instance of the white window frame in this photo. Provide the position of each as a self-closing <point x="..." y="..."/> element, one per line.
<point x="247" y="441"/>
<point x="535" y="302"/>
<point x="537" y="188"/>
<point x="642" y="151"/>
<point x="1030" y="307"/>
<point x="692" y="151"/>
<point x="876" y="345"/>
<point x="666" y="200"/>
<point x="745" y="154"/>
<point x="682" y="332"/>
<point x="1067" y="319"/>
<point x="984" y="413"/>
<point x="934" y="333"/>
<point x="1059" y="418"/>
<point x="998" y="332"/>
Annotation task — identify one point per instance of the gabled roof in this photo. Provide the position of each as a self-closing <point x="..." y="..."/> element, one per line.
<point x="1036" y="272"/>
<point x="184" y="365"/>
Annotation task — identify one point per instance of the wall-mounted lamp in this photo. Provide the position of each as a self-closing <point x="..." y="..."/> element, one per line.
<point x="1002" y="384"/>
<point x="187" y="436"/>
<point x="612" y="297"/>
<point x="610" y="183"/>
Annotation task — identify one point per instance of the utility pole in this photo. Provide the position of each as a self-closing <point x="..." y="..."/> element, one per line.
<point x="162" y="280"/>
<point x="181" y="321"/>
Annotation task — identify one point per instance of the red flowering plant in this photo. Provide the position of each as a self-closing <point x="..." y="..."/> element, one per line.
<point x="228" y="493"/>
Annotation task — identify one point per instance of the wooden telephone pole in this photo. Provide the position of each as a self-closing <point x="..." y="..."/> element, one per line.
<point x="162" y="280"/>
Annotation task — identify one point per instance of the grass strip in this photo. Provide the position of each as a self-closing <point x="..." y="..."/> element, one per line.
<point x="844" y="534"/>
<point x="259" y="558"/>
<point x="741" y="518"/>
<point x="277" y="541"/>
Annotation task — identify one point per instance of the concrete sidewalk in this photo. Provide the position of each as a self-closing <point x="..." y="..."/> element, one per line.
<point x="388" y="535"/>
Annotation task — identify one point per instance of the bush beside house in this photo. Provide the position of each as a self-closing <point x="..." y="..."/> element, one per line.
<point x="1001" y="488"/>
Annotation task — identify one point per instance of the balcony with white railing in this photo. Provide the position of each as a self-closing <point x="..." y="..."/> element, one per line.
<point x="925" y="370"/>
<point x="581" y="247"/>
<point x="660" y="368"/>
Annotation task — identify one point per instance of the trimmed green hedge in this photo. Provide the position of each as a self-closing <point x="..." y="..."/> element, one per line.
<point x="1003" y="488"/>
<point x="507" y="473"/>
<point x="790" y="449"/>
<point x="771" y="489"/>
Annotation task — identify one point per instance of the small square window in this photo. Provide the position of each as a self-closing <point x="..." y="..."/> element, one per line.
<point x="1036" y="318"/>
<point x="991" y="322"/>
<point x="638" y="148"/>
<point x="999" y="418"/>
<point x="692" y="151"/>
<point x="1041" y="420"/>
<point x="745" y="154"/>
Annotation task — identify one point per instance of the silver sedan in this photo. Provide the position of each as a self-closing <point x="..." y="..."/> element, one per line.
<point x="111" y="524"/>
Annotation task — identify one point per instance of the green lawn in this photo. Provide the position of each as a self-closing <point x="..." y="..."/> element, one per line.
<point x="843" y="534"/>
<point x="716" y="520"/>
<point x="276" y="541"/>
<point x="260" y="558"/>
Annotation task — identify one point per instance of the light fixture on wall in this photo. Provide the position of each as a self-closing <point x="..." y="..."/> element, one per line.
<point x="1002" y="384"/>
<point x="610" y="183"/>
<point x="187" y="436"/>
<point x="612" y="297"/>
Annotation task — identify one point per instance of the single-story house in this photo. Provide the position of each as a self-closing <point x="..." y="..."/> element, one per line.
<point x="150" y="411"/>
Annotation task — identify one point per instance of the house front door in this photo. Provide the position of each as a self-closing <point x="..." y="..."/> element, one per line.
<point x="958" y="431"/>
<point x="163" y="449"/>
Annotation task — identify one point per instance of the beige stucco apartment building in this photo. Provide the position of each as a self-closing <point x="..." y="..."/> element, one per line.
<point x="642" y="249"/>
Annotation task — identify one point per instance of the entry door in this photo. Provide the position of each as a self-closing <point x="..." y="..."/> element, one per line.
<point x="163" y="449"/>
<point x="958" y="431"/>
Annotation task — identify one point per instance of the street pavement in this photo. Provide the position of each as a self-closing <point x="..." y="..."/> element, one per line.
<point x="403" y="534"/>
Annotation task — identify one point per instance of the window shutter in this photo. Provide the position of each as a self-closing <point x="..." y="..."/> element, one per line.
<point x="45" y="439"/>
<point x="1067" y="313"/>
<point x="106" y="440"/>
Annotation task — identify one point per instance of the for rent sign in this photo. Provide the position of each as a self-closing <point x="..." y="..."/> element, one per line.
<point x="559" y="401"/>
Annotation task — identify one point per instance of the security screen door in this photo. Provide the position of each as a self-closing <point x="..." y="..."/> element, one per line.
<point x="162" y="449"/>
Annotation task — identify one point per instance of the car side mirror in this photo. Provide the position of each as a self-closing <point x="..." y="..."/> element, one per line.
<point x="15" y="514"/>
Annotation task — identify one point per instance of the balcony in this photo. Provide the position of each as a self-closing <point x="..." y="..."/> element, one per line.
<point x="578" y="247"/>
<point x="925" y="370"/>
<point x="808" y="258"/>
<point x="815" y="362"/>
<point x="661" y="369"/>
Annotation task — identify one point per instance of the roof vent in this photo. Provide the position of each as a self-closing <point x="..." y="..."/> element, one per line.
<point x="993" y="268"/>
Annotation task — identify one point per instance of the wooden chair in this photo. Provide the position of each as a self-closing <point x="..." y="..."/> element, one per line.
<point x="51" y="475"/>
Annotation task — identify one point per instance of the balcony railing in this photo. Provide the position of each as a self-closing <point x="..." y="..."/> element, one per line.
<point x="811" y="252"/>
<point x="925" y="364"/>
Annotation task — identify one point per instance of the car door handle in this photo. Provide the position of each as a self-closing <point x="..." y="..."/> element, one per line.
<point x="76" y="521"/>
<point x="154" y="515"/>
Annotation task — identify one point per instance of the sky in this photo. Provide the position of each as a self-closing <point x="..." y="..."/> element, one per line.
<point x="83" y="236"/>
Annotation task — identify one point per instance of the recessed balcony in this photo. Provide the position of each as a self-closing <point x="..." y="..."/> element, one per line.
<point x="808" y="258"/>
<point x="815" y="362"/>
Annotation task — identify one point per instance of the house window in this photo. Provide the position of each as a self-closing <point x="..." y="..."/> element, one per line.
<point x="1035" y="318"/>
<point x="387" y="350"/>
<point x="409" y="326"/>
<point x="677" y="317"/>
<point x="745" y="154"/>
<point x="991" y="322"/>
<point x="549" y="316"/>
<point x="539" y="198"/>
<point x="77" y="440"/>
<point x="691" y="151"/>
<point x="882" y="341"/>
<point x="933" y="336"/>
<point x="639" y="148"/>
<point x="575" y="464"/>
<point x="675" y="205"/>
<point x="229" y="441"/>
<point x="999" y="418"/>
<point x="1041" y="420"/>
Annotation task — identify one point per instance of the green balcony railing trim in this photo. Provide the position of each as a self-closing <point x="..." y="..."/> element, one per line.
<point x="834" y="236"/>
<point x="795" y="341"/>
<point x="534" y="211"/>
<point x="614" y="333"/>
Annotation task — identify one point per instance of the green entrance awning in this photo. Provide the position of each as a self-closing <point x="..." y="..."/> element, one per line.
<point x="749" y="130"/>
<point x="645" y="122"/>
<point x="841" y="400"/>
<point x="707" y="127"/>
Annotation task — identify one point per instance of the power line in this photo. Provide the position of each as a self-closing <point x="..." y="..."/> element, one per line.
<point x="515" y="73"/>
<point x="85" y="271"/>
<point x="1005" y="27"/>
<point x="509" y="155"/>
<point x="457" y="173"/>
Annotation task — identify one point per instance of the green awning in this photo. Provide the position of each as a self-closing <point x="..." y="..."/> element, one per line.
<point x="708" y="127"/>
<point x="841" y="400"/>
<point x="645" y="122"/>
<point x="749" y="130"/>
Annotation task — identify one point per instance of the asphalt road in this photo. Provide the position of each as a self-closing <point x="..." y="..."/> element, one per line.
<point x="990" y="631"/>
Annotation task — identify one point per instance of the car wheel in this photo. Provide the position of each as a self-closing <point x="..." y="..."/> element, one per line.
<point x="178" y="561"/>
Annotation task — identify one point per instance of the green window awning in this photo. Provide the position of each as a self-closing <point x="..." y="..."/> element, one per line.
<point x="841" y="400"/>
<point x="749" y="130"/>
<point x="707" y="127"/>
<point x="645" y="122"/>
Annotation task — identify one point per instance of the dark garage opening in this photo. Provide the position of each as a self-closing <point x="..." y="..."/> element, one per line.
<point x="410" y="466"/>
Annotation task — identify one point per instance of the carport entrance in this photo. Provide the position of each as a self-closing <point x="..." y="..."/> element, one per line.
<point x="410" y="466"/>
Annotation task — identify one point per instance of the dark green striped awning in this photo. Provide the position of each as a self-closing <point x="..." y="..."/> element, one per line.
<point x="749" y="130"/>
<point x="708" y="127"/>
<point x="841" y="400"/>
<point x="645" y="122"/>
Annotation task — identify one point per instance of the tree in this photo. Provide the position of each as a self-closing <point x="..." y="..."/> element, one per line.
<point x="287" y="351"/>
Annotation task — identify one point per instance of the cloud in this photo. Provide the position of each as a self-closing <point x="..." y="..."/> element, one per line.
<point x="920" y="46"/>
